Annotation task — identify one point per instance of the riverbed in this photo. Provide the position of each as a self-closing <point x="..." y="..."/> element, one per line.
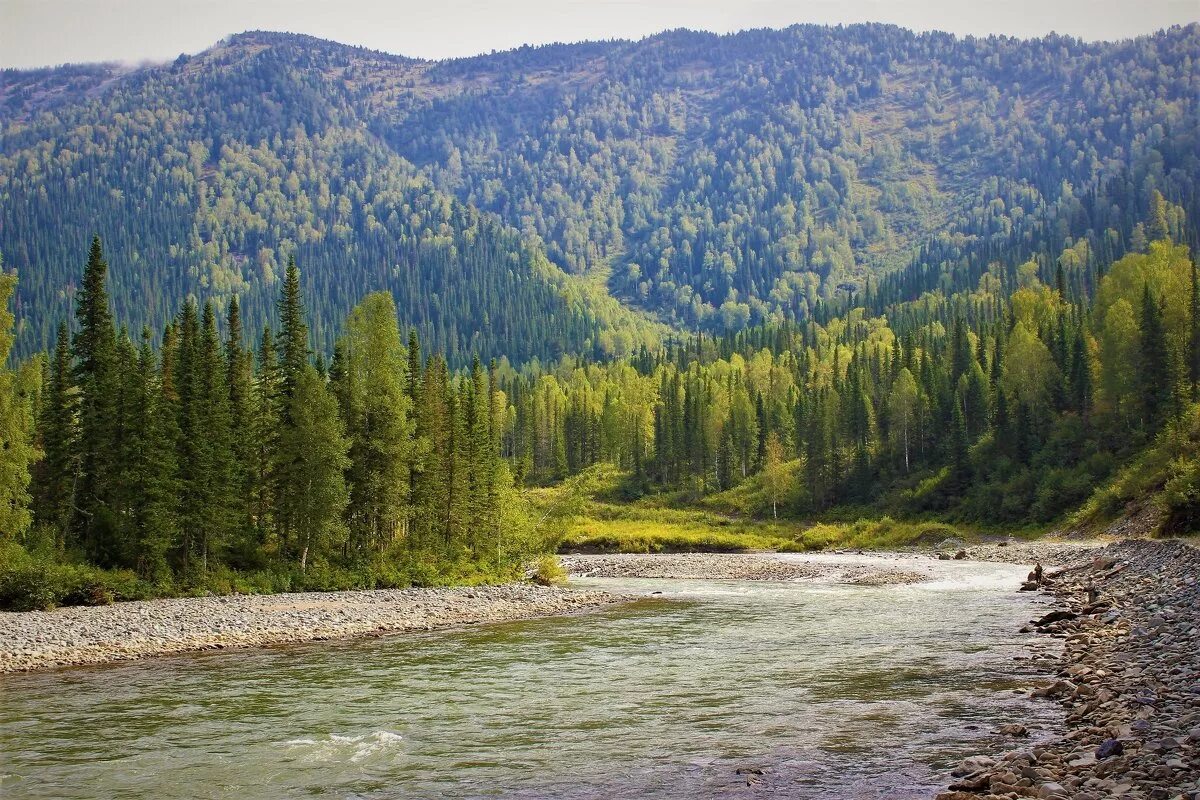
<point x="808" y="688"/>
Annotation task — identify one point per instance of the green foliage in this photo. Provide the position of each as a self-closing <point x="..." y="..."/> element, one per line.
<point x="718" y="181"/>
<point x="18" y="389"/>
<point x="225" y="476"/>
<point x="1164" y="475"/>
<point x="549" y="572"/>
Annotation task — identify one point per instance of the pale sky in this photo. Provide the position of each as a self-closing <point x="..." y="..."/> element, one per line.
<point x="43" y="32"/>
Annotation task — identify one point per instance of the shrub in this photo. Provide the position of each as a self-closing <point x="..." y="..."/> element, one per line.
<point x="549" y="572"/>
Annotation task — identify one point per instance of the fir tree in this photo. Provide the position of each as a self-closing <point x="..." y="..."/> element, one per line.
<point x="239" y="377"/>
<point x="293" y="336"/>
<point x="313" y="460"/>
<point x="95" y="357"/>
<point x="1154" y="372"/>
<point x="56" y="472"/>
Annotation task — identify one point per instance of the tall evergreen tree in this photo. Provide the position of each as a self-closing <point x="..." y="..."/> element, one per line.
<point x="1153" y="366"/>
<point x="56" y="472"/>
<point x="293" y="332"/>
<point x="1194" y="335"/>
<point x="376" y="408"/>
<point x="312" y="462"/>
<point x="239" y="378"/>
<point x="17" y="451"/>
<point x="94" y="349"/>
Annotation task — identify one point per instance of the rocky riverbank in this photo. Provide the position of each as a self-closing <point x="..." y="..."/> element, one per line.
<point x="875" y="570"/>
<point x="1128" y="680"/>
<point x="71" y="636"/>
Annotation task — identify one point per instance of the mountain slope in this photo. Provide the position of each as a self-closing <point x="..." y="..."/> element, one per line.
<point x="714" y="180"/>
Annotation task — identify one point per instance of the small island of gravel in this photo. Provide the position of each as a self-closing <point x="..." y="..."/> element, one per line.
<point x="123" y="631"/>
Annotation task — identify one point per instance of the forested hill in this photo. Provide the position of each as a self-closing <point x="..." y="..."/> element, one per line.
<point x="714" y="181"/>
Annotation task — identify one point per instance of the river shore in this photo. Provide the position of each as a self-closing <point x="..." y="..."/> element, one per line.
<point x="875" y="569"/>
<point x="1128" y="680"/>
<point x="124" y="631"/>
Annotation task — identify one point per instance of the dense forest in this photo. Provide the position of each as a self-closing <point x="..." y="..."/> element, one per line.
<point x="716" y="182"/>
<point x="804" y="274"/>
<point x="1009" y="403"/>
<point x="190" y="461"/>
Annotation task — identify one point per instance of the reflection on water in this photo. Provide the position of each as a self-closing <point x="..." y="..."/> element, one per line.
<point x="713" y="688"/>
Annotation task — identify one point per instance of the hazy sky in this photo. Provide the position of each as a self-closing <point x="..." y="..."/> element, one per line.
<point x="42" y="32"/>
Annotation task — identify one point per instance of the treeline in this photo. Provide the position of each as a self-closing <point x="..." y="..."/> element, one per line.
<point x="1008" y="403"/>
<point x="183" y="454"/>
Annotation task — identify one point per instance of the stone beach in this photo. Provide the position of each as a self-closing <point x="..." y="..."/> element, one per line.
<point x="80" y="635"/>
<point x="833" y="567"/>
<point x="1127" y="678"/>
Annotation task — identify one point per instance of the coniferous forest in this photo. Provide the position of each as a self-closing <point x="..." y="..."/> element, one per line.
<point x="361" y="321"/>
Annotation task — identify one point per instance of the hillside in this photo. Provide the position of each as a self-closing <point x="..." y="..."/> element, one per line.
<point x="713" y="181"/>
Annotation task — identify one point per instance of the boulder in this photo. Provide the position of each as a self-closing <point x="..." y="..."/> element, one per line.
<point x="1055" y="616"/>
<point x="1051" y="790"/>
<point x="1014" y="729"/>
<point x="972" y="765"/>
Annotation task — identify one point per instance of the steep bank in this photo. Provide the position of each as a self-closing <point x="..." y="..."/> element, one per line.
<point x="71" y="636"/>
<point x="1128" y="680"/>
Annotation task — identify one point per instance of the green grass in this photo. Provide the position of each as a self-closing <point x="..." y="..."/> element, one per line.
<point x="635" y="528"/>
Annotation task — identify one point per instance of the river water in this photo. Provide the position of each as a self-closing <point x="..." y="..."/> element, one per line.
<point x="832" y="691"/>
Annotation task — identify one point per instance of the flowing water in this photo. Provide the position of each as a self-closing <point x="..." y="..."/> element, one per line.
<point x="830" y="690"/>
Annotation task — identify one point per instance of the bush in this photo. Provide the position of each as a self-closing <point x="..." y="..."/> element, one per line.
<point x="28" y="588"/>
<point x="549" y="572"/>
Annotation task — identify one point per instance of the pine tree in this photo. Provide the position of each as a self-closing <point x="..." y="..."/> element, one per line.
<point x="313" y="460"/>
<point x="293" y="336"/>
<point x="56" y="472"/>
<point x="239" y="377"/>
<point x="1153" y="368"/>
<point x="95" y="356"/>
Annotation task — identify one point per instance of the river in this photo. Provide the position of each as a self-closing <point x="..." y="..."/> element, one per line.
<point x="831" y="691"/>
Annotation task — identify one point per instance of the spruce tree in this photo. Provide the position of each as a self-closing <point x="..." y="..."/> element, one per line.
<point x="151" y="470"/>
<point x="1154" y="372"/>
<point x="293" y="332"/>
<point x="266" y="424"/>
<point x="1194" y="335"/>
<point x="56" y="472"/>
<point x="95" y="357"/>
<point x="312" y="462"/>
<point x="239" y="378"/>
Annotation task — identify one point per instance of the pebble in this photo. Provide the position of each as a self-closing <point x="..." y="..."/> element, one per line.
<point x="1128" y="679"/>
<point x="123" y="631"/>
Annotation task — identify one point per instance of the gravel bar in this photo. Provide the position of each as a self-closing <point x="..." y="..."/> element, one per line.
<point x="72" y="636"/>
<point x="1128" y="681"/>
<point x="832" y="567"/>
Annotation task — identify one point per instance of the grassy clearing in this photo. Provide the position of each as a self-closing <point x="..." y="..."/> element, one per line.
<point x="599" y="522"/>
<point x="610" y="528"/>
<point x="665" y="523"/>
